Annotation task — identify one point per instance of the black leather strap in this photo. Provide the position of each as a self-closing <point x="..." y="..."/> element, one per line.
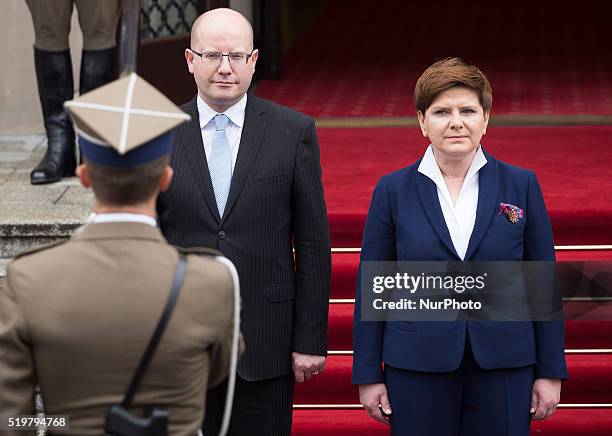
<point x="177" y="283"/>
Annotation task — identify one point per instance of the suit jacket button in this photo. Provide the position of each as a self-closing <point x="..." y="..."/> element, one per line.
<point x="221" y="234"/>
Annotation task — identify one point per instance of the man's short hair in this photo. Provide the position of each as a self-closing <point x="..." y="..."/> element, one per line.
<point x="445" y="74"/>
<point x="126" y="186"/>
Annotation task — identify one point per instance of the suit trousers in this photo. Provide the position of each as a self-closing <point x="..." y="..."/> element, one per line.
<point x="261" y="408"/>
<point x="52" y="19"/>
<point x="469" y="401"/>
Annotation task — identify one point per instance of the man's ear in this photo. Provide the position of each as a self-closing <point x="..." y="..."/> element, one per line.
<point x="83" y="173"/>
<point x="166" y="178"/>
<point x="421" y="118"/>
<point x="254" y="57"/>
<point x="189" y="59"/>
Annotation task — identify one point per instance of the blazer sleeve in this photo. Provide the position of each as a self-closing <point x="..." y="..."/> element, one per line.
<point x="539" y="246"/>
<point x="378" y="245"/>
<point x="17" y="374"/>
<point x="312" y="247"/>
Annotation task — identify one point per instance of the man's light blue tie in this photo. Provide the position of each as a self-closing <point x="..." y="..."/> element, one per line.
<point x="220" y="164"/>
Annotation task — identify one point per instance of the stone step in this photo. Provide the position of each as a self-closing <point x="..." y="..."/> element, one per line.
<point x="17" y="238"/>
<point x="31" y="216"/>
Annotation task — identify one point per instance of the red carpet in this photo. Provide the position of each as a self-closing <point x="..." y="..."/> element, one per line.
<point x="348" y="422"/>
<point x="539" y="56"/>
<point x="590" y="382"/>
<point x="572" y="164"/>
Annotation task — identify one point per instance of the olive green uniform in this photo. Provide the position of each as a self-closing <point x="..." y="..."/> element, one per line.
<point x="76" y="318"/>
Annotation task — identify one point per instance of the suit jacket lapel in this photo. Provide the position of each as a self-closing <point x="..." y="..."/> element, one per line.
<point x="428" y="195"/>
<point x="250" y="141"/>
<point x="488" y="186"/>
<point x="189" y="137"/>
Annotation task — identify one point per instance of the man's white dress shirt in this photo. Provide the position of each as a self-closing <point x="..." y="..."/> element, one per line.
<point x="460" y="217"/>
<point x="233" y="131"/>
<point x="96" y="218"/>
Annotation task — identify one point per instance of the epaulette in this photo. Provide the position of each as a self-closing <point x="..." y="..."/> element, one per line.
<point x="41" y="248"/>
<point x="200" y="250"/>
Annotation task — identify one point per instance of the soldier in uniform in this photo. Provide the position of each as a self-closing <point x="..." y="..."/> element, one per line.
<point x="75" y="317"/>
<point x="51" y="20"/>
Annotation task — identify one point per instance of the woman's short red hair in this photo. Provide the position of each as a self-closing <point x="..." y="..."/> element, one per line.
<point x="445" y="74"/>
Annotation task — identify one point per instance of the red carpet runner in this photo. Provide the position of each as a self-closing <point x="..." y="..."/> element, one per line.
<point x="363" y="58"/>
<point x="567" y="422"/>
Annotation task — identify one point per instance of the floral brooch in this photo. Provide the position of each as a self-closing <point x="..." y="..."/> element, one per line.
<point x="514" y="213"/>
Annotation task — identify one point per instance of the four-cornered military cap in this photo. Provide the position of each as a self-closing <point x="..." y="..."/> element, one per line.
<point x="125" y="123"/>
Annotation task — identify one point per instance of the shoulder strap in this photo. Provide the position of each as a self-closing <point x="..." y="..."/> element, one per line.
<point x="177" y="282"/>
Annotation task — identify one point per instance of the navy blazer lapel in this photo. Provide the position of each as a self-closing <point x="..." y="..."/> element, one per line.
<point x="488" y="186"/>
<point x="428" y="194"/>
<point x="190" y="139"/>
<point x="250" y="141"/>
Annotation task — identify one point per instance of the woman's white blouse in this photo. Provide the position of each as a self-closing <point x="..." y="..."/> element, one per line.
<point x="460" y="217"/>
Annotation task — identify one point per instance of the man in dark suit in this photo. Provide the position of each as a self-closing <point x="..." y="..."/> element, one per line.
<point x="248" y="183"/>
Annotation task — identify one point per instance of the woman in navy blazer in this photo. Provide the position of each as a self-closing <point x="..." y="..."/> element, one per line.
<point x="457" y="203"/>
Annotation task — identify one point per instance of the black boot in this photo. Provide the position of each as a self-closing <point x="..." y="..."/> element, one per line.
<point x="97" y="69"/>
<point x="55" y="86"/>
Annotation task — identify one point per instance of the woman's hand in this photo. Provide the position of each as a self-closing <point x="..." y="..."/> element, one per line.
<point x="545" y="395"/>
<point x="374" y="398"/>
